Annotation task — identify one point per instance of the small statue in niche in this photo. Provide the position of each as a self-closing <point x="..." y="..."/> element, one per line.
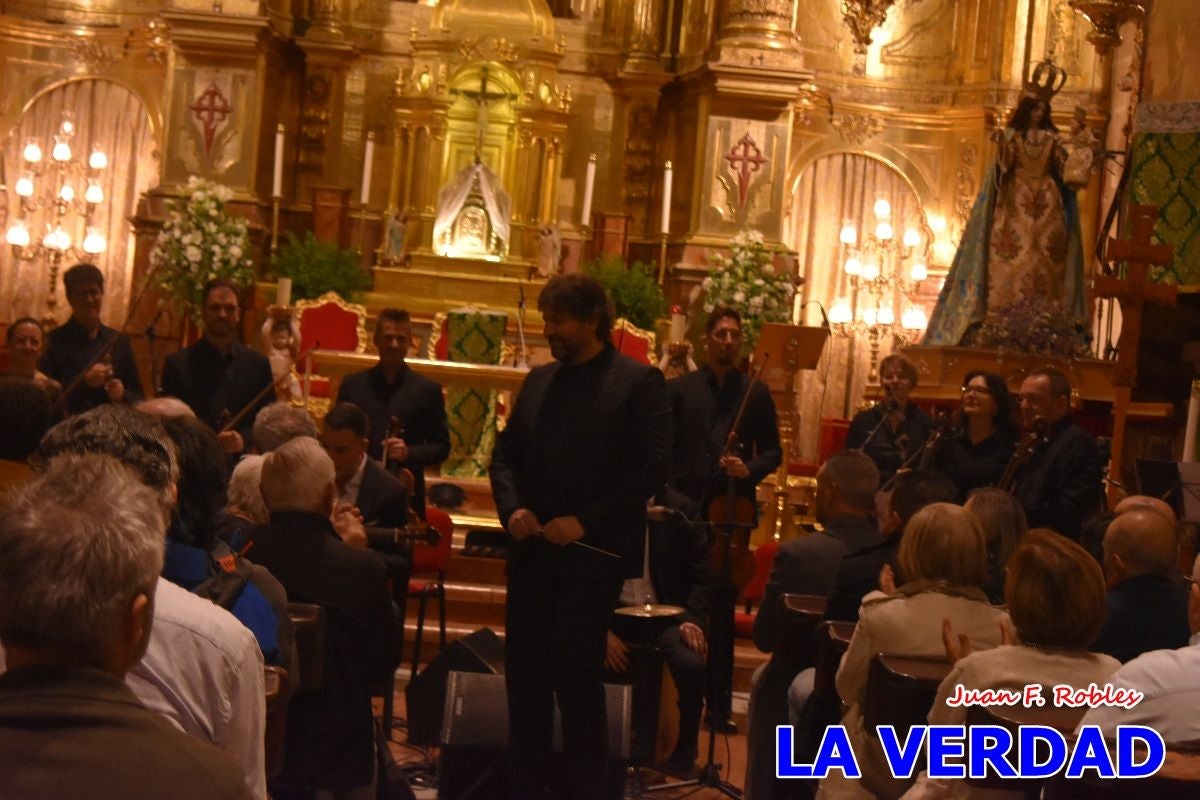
<point x="549" y="251"/>
<point x="394" y="230"/>
<point x="1081" y="146"/>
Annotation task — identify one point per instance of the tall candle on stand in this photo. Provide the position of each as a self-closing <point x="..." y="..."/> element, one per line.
<point x="666" y="205"/>
<point x="589" y="184"/>
<point x="277" y="180"/>
<point x="1193" y="418"/>
<point x="283" y="292"/>
<point x="368" y="165"/>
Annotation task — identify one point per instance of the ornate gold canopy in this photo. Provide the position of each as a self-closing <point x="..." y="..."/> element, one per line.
<point x="523" y="21"/>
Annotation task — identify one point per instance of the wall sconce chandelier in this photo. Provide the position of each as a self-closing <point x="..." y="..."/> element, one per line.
<point x="862" y="17"/>
<point x="884" y="272"/>
<point x="1107" y="17"/>
<point x="58" y="194"/>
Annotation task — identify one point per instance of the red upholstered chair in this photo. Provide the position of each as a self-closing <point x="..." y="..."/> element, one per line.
<point x="634" y="342"/>
<point x="429" y="564"/>
<point x="764" y="556"/>
<point x="337" y="325"/>
<point x="833" y="437"/>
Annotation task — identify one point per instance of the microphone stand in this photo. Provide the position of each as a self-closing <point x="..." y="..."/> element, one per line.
<point x="521" y="362"/>
<point x="888" y="408"/>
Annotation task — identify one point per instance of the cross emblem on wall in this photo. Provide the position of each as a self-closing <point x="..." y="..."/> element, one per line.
<point x="210" y="109"/>
<point x="745" y="159"/>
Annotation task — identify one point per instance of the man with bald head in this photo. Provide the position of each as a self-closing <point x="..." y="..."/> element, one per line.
<point x="1147" y="598"/>
<point x="1135" y="502"/>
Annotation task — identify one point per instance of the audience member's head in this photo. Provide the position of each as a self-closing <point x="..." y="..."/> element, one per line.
<point x="201" y="482"/>
<point x="279" y="423"/>
<point x="912" y="491"/>
<point x="1001" y="516"/>
<point x="1141" y="501"/>
<point x="298" y="476"/>
<point x="165" y="408"/>
<point x="846" y="484"/>
<point x="136" y="440"/>
<point x="944" y="543"/>
<point x="81" y="548"/>
<point x="344" y="435"/>
<point x="26" y="416"/>
<point x="1055" y="592"/>
<point x="244" y="494"/>
<point x="1139" y="542"/>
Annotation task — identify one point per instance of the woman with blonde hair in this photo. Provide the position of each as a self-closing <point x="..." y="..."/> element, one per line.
<point x="1055" y="593"/>
<point x="943" y="562"/>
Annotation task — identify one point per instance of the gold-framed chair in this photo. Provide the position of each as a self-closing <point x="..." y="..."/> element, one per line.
<point x="640" y="345"/>
<point x="336" y="324"/>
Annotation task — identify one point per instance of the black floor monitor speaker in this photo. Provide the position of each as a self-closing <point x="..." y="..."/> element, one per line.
<point x="480" y="652"/>
<point x="475" y="737"/>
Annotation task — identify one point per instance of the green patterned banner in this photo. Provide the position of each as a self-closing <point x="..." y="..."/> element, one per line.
<point x="1165" y="172"/>
<point x="475" y="337"/>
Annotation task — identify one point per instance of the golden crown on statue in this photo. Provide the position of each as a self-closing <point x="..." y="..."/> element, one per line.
<point x="1046" y="81"/>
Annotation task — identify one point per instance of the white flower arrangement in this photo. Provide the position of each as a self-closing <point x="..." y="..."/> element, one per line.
<point x="747" y="282"/>
<point x="200" y="242"/>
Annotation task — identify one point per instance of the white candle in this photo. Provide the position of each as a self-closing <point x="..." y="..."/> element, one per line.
<point x="589" y="184"/>
<point x="678" y="325"/>
<point x="666" y="206"/>
<point x="368" y="165"/>
<point x="277" y="180"/>
<point x="1189" y="437"/>
<point x="283" y="292"/>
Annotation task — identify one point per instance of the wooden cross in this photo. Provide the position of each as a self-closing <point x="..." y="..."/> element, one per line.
<point x="747" y="154"/>
<point x="1134" y="291"/>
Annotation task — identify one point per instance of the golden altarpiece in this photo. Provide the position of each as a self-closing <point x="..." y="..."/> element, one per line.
<point x="794" y="119"/>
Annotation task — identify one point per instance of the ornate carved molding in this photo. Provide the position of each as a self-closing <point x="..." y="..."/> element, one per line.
<point x="964" y="196"/>
<point x="857" y="128"/>
<point x="1106" y="17"/>
<point x="862" y="17"/>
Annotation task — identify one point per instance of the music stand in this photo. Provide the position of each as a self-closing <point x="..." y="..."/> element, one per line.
<point x="791" y="348"/>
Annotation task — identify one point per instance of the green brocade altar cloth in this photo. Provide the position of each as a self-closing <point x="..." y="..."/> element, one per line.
<point x="473" y="337"/>
<point x="1165" y="171"/>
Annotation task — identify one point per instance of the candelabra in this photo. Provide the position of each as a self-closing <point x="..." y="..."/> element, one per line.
<point x="50" y="201"/>
<point x="884" y="272"/>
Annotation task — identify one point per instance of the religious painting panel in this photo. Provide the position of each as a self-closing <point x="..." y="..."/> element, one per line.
<point x="211" y="117"/>
<point x="743" y="178"/>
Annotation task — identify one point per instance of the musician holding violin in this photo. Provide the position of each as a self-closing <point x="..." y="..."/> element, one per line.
<point x="1061" y="482"/>
<point x="973" y="445"/>
<point x="711" y="465"/>
<point x="893" y="430"/>
<point x="224" y="382"/>
<point x="72" y="348"/>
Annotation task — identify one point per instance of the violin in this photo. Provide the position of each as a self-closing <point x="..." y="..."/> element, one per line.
<point x="1037" y="435"/>
<point x="945" y="426"/>
<point x="731" y="516"/>
<point x="404" y="475"/>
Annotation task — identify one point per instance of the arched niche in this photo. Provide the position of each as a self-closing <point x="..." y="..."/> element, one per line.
<point x="108" y="115"/>
<point x="835" y="190"/>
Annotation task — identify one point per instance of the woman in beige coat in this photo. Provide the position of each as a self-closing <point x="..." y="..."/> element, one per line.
<point x="943" y="559"/>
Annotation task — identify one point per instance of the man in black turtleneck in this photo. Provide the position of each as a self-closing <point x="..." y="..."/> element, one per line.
<point x="587" y="445"/>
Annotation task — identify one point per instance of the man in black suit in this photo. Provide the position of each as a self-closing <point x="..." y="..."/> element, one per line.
<point x="72" y="345"/>
<point x="81" y="548"/>
<point x="330" y="741"/>
<point x="1060" y="485"/>
<point x="705" y="404"/>
<point x="1147" y="598"/>
<point x="218" y="376"/>
<point x="389" y="391"/>
<point x="587" y="444"/>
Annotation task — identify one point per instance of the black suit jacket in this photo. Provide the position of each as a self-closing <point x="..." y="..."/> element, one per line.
<point x="700" y="435"/>
<point x="212" y="383"/>
<point x="1061" y="485"/>
<point x="68" y="349"/>
<point x="616" y="462"/>
<point x="68" y="731"/>
<point x="382" y="498"/>
<point x="330" y="741"/>
<point x="414" y="400"/>
<point x="858" y="574"/>
<point x="1146" y="612"/>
